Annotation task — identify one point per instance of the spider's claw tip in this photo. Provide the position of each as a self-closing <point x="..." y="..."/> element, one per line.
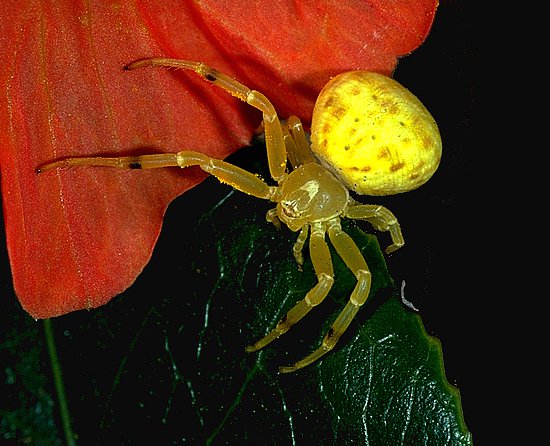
<point x="44" y="167"/>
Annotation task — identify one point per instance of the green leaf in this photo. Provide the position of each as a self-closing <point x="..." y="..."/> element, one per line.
<point x="383" y="384"/>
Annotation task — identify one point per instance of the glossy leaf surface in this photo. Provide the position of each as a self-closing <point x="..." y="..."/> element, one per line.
<point x="78" y="237"/>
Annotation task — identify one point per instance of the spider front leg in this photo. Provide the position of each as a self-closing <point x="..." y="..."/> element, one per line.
<point x="297" y="145"/>
<point x="354" y="260"/>
<point x="274" y="139"/>
<point x="382" y="219"/>
<point x="236" y="177"/>
<point x="322" y="264"/>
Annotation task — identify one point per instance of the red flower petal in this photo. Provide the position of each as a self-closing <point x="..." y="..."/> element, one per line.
<point x="78" y="237"/>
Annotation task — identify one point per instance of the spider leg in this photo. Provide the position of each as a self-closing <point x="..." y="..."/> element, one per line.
<point x="382" y="219"/>
<point x="276" y="151"/>
<point x="299" y="246"/>
<point x="236" y="177"/>
<point x="322" y="263"/>
<point x="291" y="148"/>
<point x="302" y="146"/>
<point x="348" y="250"/>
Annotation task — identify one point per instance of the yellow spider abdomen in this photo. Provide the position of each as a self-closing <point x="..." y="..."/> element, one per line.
<point x="374" y="134"/>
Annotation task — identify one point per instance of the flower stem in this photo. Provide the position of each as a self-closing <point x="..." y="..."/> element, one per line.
<point x="58" y="382"/>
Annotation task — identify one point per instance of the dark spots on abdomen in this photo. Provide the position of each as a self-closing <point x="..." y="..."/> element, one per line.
<point x="397" y="166"/>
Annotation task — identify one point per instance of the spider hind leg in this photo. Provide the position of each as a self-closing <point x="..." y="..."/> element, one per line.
<point x="381" y="219"/>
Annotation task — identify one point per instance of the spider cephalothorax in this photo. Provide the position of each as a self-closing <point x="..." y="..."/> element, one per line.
<point x="368" y="134"/>
<point x="309" y="194"/>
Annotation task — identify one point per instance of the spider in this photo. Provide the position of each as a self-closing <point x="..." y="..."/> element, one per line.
<point x="369" y="134"/>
